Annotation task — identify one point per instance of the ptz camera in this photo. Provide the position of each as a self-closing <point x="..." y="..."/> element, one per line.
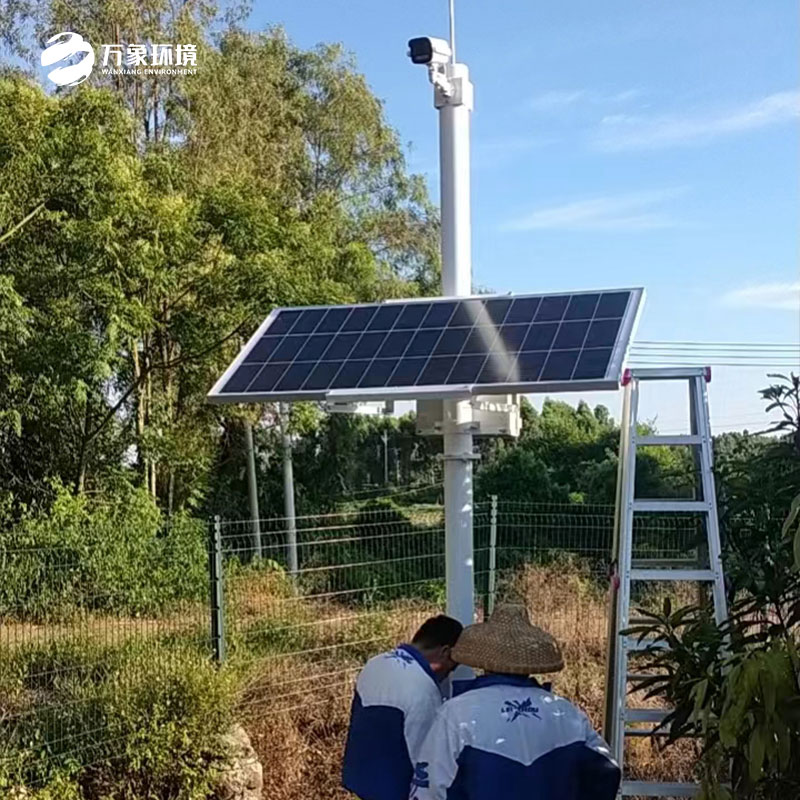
<point x="428" y="50"/>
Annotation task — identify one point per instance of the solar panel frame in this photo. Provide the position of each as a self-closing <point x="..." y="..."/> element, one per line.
<point x="610" y="379"/>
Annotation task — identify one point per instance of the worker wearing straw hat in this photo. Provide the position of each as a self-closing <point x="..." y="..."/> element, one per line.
<point x="506" y="737"/>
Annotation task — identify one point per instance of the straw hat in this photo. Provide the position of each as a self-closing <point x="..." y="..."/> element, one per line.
<point x="509" y="643"/>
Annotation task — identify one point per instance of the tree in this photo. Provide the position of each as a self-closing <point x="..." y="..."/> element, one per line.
<point x="519" y="474"/>
<point x="577" y="447"/>
<point x="68" y="191"/>
<point x="785" y="397"/>
<point x="150" y="225"/>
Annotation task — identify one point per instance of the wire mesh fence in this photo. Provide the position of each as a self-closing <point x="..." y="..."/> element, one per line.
<point x="363" y="580"/>
<point x="84" y="630"/>
<point x="89" y="643"/>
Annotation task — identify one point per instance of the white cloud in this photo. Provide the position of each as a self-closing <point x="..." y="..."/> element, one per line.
<point x="634" y="211"/>
<point x="556" y="100"/>
<point x="626" y="132"/>
<point x="782" y="296"/>
<point x="559" y="100"/>
<point x="492" y="153"/>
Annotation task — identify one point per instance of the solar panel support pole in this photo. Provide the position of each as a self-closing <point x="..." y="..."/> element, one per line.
<point x="453" y="97"/>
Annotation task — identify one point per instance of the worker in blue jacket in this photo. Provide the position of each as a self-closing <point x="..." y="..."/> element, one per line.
<point x="396" y="699"/>
<point x="506" y="737"/>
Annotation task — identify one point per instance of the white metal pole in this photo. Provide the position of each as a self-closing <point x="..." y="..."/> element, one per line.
<point x="459" y="566"/>
<point x="455" y="193"/>
<point x="288" y="489"/>
<point x="453" y="99"/>
<point x="252" y="489"/>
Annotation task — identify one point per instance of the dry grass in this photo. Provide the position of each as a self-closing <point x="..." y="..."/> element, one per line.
<point x="103" y="628"/>
<point x="564" y="600"/>
<point x="296" y="708"/>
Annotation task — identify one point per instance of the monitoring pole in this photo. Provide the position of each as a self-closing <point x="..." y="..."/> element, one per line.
<point x="452" y="96"/>
<point x="288" y="489"/>
<point x="454" y="107"/>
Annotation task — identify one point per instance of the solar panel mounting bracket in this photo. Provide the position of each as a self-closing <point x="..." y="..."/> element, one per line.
<point x="409" y="393"/>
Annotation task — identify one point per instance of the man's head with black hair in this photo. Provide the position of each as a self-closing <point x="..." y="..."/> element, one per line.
<point x="435" y="639"/>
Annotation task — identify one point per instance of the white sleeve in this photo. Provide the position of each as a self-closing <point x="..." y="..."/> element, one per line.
<point x="436" y="766"/>
<point x="594" y="741"/>
<point x="419" y="717"/>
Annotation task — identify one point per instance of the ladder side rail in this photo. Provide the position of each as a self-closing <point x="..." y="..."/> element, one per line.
<point x="613" y="644"/>
<point x="709" y="493"/>
<point x="625" y="558"/>
<point x="699" y="489"/>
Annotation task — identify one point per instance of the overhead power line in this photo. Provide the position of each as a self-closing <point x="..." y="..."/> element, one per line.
<point x="693" y="353"/>
<point x="711" y="362"/>
<point x="754" y="355"/>
<point x="711" y="345"/>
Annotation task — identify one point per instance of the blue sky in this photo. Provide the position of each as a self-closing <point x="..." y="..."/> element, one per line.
<point x="633" y="142"/>
<point x="623" y="143"/>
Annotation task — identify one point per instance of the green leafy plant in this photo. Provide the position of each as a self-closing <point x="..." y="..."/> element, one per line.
<point x="785" y="398"/>
<point x="736" y="685"/>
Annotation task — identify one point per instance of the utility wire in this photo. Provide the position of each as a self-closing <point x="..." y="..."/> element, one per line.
<point x="757" y="345"/>
<point x="768" y="355"/>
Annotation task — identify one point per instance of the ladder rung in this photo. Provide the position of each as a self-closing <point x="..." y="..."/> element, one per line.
<point x="673" y="575"/>
<point x="668" y="373"/>
<point x="642" y="676"/>
<point x="646" y="732"/>
<point x="663" y="563"/>
<point x="665" y="441"/>
<point x="645" y="714"/>
<point x="635" y="645"/>
<point x="671" y="505"/>
<point x="658" y="789"/>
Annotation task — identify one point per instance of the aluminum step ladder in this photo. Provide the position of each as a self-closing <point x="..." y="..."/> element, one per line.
<point x="623" y="721"/>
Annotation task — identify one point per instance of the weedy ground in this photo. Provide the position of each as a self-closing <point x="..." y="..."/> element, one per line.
<point x="118" y="708"/>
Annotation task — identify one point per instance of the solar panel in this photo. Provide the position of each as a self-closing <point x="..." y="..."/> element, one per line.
<point x="446" y="347"/>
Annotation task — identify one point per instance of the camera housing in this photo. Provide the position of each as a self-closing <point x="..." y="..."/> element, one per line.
<point x="429" y="50"/>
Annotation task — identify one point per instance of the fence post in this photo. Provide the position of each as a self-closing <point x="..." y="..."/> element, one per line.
<point x="492" y="553"/>
<point x="216" y="577"/>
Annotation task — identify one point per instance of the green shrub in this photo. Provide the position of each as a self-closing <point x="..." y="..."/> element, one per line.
<point x="112" y="557"/>
<point x="146" y="721"/>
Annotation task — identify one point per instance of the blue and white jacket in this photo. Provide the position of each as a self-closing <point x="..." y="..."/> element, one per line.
<point x="396" y="700"/>
<point x="506" y="738"/>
